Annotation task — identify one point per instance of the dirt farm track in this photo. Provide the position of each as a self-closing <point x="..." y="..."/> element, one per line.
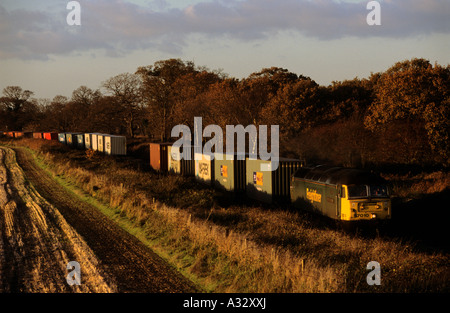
<point x="43" y="228"/>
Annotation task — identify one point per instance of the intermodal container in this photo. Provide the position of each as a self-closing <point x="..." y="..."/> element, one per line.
<point x="229" y="172"/>
<point x="173" y="160"/>
<point x="115" y="145"/>
<point x="79" y="141"/>
<point x="181" y="160"/>
<point x="204" y="167"/>
<point x="61" y="137"/>
<point x="159" y="156"/>
<point x="101" y="142"/>
<point x="88" y="140"/>
<point x="94" y="141"/>
<point x="267" y="185"/>
<point x="37" y="135"/>
<point x="71" y="139"/>
<point x="50" y="136"/>
<point x="18" y="134"/>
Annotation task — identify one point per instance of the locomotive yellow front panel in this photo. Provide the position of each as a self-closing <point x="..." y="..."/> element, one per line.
<point x="364" y="208"/>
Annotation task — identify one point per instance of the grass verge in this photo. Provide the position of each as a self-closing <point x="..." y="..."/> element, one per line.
<point x="238" y="248"/>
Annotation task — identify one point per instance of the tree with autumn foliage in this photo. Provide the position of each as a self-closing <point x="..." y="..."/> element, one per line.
<point x="416" y="93"/>
<point x="294" y="107"/>
<point x="158" y="90"/>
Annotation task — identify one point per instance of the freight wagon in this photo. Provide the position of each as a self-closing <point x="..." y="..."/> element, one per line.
<point x="79" y="141"/>
<point x="50" y="136"/>
<point x="94" y="141"/>
<point x="229" y="172"/>
<point x="88" y="140"/>
<point x="17" y="134"/>
<point x="341" y="193"/>
<point x="71" y="139"/>
<point x="62" y="138"/>
<point x="159" y="156"/>
<point x="115" y="145"/>
<point x="270" y="186"/>
<point x="204" y="167"/>
<point x="100" y="143"/>
<point x="180" y="161"/>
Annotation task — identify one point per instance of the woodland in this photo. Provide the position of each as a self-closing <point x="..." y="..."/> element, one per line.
<point x="396" y="117"/>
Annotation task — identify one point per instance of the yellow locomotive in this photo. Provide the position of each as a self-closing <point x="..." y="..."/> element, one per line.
<point x="341" y="193"/>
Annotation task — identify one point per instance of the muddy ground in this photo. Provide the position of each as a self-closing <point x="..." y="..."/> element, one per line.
<point x="43" y="228"/>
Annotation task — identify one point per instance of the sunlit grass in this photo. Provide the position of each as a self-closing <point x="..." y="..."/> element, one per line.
<point x="240" y="248"/>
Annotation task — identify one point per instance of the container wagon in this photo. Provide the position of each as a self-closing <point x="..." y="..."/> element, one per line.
<point x="18" y="134"/>
<point x="71" y="139"/>
<point x="180" y="162"/>
<point x="50" y="136"/>
<point x="94" y="141"/>
<point x="341" y="193"/>
<point x="270" y="186"/>
<point x="79" y="141"/>
<point x="28" y="134"/>
<point x="159" y="156"/>
<point x="204" y="167"/>
<point x="174" y="160"/>
<point x="62" y="138"/>
<point x="88" y="140"/>
<point x="230" y="172"/>
<point x="115" y="145"/>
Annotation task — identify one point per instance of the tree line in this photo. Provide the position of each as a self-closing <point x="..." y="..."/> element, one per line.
<point x="400" y="116"/>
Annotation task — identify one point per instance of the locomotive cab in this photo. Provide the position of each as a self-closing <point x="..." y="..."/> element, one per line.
<point x="365" y="202"/>
<point x="341" y="193"/>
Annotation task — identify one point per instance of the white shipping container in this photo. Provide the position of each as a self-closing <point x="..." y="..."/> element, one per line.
<point x="94" y="141"/>
<point x="88" y="140"/>
<point x="204" y="167"/>
<point x="101" y="143"/>
<point x="115" y="145"/>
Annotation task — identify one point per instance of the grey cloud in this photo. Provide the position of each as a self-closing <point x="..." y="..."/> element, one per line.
<point x="119" y="27"/>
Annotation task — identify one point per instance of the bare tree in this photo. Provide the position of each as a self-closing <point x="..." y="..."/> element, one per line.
<point x="126" y="89"/>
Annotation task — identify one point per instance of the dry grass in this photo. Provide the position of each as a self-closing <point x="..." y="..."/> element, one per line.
<point x="246" y="248"/>
<point x="410" y="185"/>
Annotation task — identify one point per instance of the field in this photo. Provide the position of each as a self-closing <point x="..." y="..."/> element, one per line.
<point x="233" y="245"/>
<point x="45" y="228"/>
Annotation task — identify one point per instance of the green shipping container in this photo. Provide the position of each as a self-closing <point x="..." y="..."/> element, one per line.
<point x="61" y="137"/>
<point x="270" y="186"/>
<point x="71" y="139"/>
<point x="229" y="172"/>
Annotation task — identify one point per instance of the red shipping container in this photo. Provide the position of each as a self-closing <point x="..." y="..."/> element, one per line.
<point x="159" y="157"/>
<point x="50" y="136"/>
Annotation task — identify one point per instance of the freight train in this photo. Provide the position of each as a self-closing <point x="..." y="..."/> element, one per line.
<point x="342" y="194"/>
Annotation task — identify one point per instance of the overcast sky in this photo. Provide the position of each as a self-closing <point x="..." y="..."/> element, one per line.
<point x="324" y="39"/>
